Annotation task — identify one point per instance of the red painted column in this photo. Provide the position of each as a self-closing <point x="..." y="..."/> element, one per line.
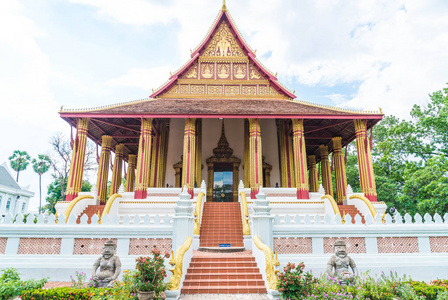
<point x="189" y="158"/>
<point x="366" y="175"/>
<point x="74" y="182"/>
<point x="143" y="160"/>
<point x="300" y="167"/>
<point x="256" y="157"/>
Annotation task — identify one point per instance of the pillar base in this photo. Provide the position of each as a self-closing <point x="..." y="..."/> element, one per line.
<point x="141" y="194"/>
<point x="302" y="194"/>
<point x="70" y="197"/>
<point x="253" y="193"/>
<point x="372" y="198"/>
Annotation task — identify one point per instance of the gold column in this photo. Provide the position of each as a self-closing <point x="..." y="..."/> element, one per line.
<point x="165" y="130"/>
<point x="117" y="169"/>
<point x="143" y="159"/>
<point x="314" y="180"/>
<point x="246" y="154"/>
<point x="198" y="171"/>
<point x="130" y="177"/>
<point x="366" y="175"/>
<point x="103" y="168"/>
<point x="189" y="164"/>
<point x="339" y="170"/>
<point x="326" y="170"/>
<point x="210" y="172"/>
<point x="155" y="158"/>
<point x="256" y="161"/>
<point x="74" y="182"/>
<point x="235" y="181"/>
<point x="300" y="167"/>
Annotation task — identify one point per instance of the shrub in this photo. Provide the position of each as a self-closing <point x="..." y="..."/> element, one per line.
<point x="429" y="291"/>
<point x="12" y="286"/>
<point x="293" y="282"/>
<point x="151" y="273"/>
<point x="79" y="281"/>
<point x="68" y="293"/>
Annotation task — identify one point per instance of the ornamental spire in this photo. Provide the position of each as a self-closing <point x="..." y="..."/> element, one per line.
<point x="224" y="8"/>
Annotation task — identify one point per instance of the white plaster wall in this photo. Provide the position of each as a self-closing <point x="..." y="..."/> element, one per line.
<point x="175" y="148"/>
<point x="211" y="132"/>
<point x="270" y="148"/>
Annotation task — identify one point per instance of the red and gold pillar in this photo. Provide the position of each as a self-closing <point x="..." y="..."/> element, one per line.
<point x="314" y="180"/>
<point x="130" y="176"/>
<point x="198" y="172"/>
<point x="103" y="168"/>
<point x="246" y="154"/>
<point x="366" y="175"/>
<point x="256" y="159"/>
<point x="143" y="160"/>
<point x="117" y="169"/>
<point x="74" y="182"/>
<point x="326" y="170"/>
<point x="300" y="168"/>
<point x="189" y="158"/>
<point x="155" y="159"/>
<point x="339" y="170"/>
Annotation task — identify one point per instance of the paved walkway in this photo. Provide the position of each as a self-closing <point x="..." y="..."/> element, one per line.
<point x="224" y="297"/>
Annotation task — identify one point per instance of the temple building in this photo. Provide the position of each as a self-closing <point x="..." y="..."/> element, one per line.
<point x="222" y="118"/>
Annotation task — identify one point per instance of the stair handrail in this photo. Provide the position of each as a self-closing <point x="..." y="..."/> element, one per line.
<point x="333" y="204"/>
<point x="271" y="262"/>
<point x="245" y="214"/>
<point x="176" y="262"/>
<point x="108" y="206"/>
<point x="72" y="204"/>
<point x="367" y="202"/>
<point x="197" y="214"/>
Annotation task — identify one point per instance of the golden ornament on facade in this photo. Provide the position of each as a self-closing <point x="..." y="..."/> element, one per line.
<point x="223" y="43"/>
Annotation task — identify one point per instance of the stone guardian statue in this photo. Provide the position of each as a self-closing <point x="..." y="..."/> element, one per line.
<point x="109" y="265"/>
<point x="340" y="264"/>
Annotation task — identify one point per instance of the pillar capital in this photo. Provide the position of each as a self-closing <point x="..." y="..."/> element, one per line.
<point x="119" y="149"/>
<point x="106" y="142"/>
<point x="83" y="123"/>
<point x="132" y="160"/>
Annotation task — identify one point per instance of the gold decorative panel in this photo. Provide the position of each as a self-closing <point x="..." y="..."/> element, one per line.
<point x="262" y="89"/>
<point x="223" y="43"/>
<point x="184" y="89"/>
<point x="197" y="89"/>
<point x="239" y="71"/>
<point x="223" y="71"/>
<point x="249" y="90"/>
<point x="232" y="90"/>
<point x="272" y="91"/>
<point x="207" y="71"/>
<point x="215" y="89"/>
<point x="254" y="74"/>
<point x="192" y="73"/>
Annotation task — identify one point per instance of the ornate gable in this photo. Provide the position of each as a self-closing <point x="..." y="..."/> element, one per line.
<point x="223" y="66"/>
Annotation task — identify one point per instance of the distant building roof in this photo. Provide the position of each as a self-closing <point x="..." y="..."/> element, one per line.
<point x="6" y="179"/>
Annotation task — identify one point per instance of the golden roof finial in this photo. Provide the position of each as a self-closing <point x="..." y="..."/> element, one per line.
<point x="224" y="8"/>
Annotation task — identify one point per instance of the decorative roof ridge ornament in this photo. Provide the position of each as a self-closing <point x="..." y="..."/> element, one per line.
<point x="224" y="7"/>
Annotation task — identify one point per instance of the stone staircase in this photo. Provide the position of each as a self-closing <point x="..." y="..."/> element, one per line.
<point x="221" y="224"/>
<point x="222" y="270"/>
<point x="90" y="211"/>
<point x="352" y="211"/>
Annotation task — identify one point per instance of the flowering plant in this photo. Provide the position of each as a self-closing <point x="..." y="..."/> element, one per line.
<point x="293" y="282"/>
<point x="151" y="272"/>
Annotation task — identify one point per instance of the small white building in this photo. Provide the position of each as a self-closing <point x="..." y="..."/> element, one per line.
<point x="13" y="198"/>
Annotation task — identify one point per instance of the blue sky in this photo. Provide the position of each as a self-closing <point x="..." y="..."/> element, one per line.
<point x="360" y="54"/>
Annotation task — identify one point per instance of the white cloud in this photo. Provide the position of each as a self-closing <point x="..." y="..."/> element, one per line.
<point x="28" y="110"/>
<point x="143" y="78"/>
<point x="395" y="50"/>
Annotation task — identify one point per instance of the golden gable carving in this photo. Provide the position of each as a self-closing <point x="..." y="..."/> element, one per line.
<point x="223" y="43"/>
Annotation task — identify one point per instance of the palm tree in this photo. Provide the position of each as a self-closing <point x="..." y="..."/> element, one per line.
<point x="41" y="165"/>
<point x="19" y="161"/>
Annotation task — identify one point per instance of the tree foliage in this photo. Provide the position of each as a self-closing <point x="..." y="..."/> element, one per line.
<point x="55" y="193"/>
<point x="19" y="161"/>
<point x="41" y="165"/>
<point x="410" y="158"/>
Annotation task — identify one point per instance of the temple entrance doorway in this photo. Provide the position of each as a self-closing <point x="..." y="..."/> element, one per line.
<point x="223" y="183"/>
<point x="222" y="169"/>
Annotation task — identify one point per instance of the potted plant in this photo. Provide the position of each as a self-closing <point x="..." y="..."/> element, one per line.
<point x="150" y="275"/>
